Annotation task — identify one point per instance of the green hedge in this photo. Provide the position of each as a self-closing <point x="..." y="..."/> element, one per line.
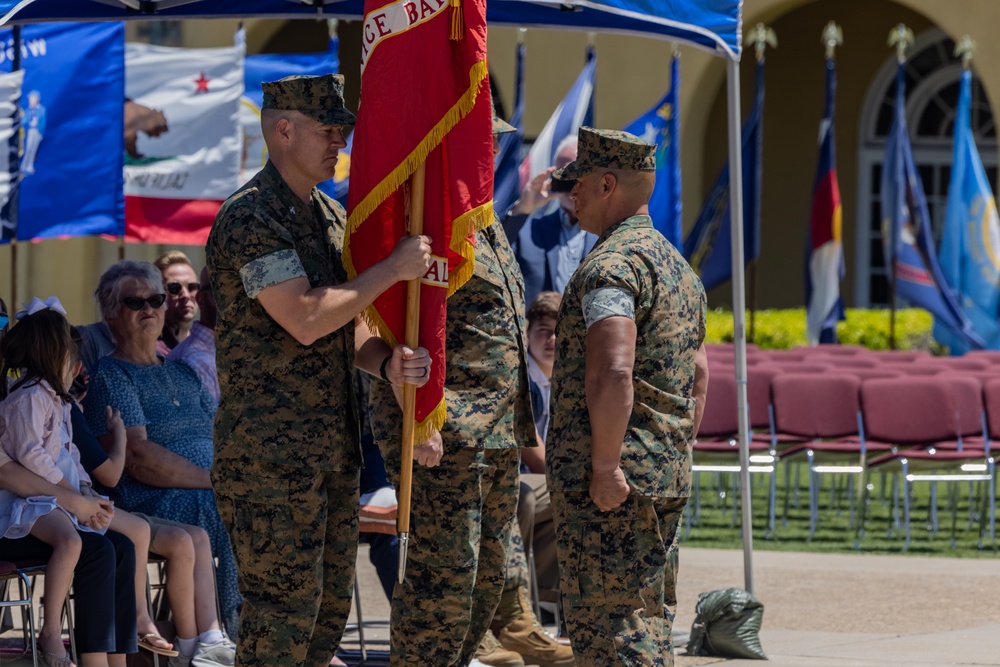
<point x="784" y="329"/>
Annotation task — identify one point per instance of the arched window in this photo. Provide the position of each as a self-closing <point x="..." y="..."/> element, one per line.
<point x="932" y="84"/>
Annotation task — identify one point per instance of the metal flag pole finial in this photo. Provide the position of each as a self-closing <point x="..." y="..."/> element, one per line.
<point x="833" y="36"/>
<point x="902" y="38"/>
<point x="762" y="37"/>
<point x="965" y="49"/>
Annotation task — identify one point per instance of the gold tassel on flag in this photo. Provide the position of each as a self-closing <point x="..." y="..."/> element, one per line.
<point x="457" y="22"/>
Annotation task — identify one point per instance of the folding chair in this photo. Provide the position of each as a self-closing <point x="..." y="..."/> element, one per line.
<point x="716" y="448"/>
<point x="897" y="356"/>
<point x="920" y="417"/>
<point x="28" y="573"/>
<point x="9" y="572"/>
<point x="838" y="350"/>
<point x="822" y="413"/>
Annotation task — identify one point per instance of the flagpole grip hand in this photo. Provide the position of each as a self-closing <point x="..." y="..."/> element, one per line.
<point x="534" y="195"/>
<point x="429" y="453"/>
<point x="409" y="366"/>
<point x="411" y="257"/>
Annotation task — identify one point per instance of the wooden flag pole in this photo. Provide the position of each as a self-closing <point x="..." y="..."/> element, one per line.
<point x="409" y="390"/>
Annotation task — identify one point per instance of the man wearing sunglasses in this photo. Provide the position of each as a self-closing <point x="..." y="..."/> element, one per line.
<point x="287" y="433"/>
<point x="181" y="285"/>
<point x="184" y="338"/>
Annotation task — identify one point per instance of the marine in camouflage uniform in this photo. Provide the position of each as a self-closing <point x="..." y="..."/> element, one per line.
<point x="287" y="434"/>
<point x="618" y="564"/>
<point x="464" y="509"/>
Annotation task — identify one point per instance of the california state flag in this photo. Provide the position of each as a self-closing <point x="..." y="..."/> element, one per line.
<point x="425" y="98"/>
<point x="176" y="179"/>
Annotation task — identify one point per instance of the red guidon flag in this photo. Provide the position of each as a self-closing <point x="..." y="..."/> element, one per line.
<point x="425" y="97"/>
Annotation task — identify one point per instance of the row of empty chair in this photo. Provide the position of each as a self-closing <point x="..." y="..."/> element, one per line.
<point x="845" y="410"/>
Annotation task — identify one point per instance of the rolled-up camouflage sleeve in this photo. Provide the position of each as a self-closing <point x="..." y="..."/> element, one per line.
<point x="263" y="272"/>
<point x="260" y="247"/>
<point x="612" y="286"/>
<point x="606" y="302"/>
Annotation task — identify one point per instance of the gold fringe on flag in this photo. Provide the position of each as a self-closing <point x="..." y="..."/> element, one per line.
<point x="477" y="74"/>
<point x="462" y="228"/>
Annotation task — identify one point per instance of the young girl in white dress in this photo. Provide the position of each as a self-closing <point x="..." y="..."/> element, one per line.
<point x="39" y="362"/>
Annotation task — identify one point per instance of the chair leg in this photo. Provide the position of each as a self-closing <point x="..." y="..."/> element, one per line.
<point x="813" y="494"/>
<point x="788" y="487"/>
<point x="27" y="605"/>
<point x="932" y="510"/>
<point x="361" y="621"/>
<point x="906" y="505"/>
<point x="953" y="492"/>
<point x="773" y="495"/>
<point x="149" y="605"/>
<point x="68" y="608"/>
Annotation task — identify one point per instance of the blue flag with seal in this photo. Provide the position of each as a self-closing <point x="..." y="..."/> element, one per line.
<point x="970" y="245"/>
<point x="72" y="115"/>
<point x="10" y="125"/>
<point x="707" y="247"/>
<point x="507" y="178"/>
<point x="270" y="67"/>
<point x="906" y="232"/>
<point x="661" y="126"/>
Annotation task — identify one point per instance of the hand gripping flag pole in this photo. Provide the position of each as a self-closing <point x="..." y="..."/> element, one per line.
<point x="410" y="390"/>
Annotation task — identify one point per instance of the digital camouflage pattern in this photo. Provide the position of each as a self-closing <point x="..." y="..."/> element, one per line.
<point x="319" y="97"/>
<point x="669" y="306"/>
<point x="296" y="551"/>
<point x="618" y="573"/>
<point x="460" y="529"/>
<point x="486" y="377"/>
<point x="618" y="568"/>
<point x="608" y="149"/>
<point x="262" y="236"/>
<point x="287" y="434"/>
<point x="464" y="509"/>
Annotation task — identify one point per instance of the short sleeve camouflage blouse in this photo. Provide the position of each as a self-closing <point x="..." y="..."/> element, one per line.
<point x="282" y="402"/>
<point x="632" y="271"/>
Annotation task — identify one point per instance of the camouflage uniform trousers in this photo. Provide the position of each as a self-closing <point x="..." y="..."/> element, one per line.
<point x="619" y="571"/>
<point x="295" y="534"/>
<point x="460" y="528"/>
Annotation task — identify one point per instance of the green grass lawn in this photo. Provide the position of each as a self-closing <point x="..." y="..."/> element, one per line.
<point x="834" y="533"/>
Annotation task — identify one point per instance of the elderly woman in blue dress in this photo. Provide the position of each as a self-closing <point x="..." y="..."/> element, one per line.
<point x="168" y="416"/>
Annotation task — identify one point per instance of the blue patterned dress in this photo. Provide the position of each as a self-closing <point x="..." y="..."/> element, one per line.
<point x="178" y="412"/>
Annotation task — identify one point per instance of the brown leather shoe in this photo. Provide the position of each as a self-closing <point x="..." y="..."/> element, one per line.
<point x="491" y="653"/>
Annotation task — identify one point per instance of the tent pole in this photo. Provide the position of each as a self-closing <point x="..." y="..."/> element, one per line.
<point x="16" y="187"/>
<point x="739" y="311"/>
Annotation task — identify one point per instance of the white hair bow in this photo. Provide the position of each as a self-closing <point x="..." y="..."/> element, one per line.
<point x="36" y="305"/>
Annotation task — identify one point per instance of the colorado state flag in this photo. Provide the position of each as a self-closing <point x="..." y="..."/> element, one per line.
<point x="824" y="243"/>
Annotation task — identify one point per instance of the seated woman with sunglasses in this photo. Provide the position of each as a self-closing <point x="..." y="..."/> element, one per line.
<point x="168" y="417"/>
<point x="184" y="338"/>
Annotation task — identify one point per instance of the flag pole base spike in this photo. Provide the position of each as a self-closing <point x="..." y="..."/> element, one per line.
<point x="404" y="541"/>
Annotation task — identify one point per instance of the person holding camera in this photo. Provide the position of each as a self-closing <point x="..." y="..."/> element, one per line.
<point x="549" y="245"/>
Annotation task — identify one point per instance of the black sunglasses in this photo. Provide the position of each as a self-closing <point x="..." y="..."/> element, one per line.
<point x="175" y="288"/>
<point x="137" y="303"/>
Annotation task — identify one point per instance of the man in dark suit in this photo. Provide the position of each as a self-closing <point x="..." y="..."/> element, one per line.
<point x="548" y="243"/>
